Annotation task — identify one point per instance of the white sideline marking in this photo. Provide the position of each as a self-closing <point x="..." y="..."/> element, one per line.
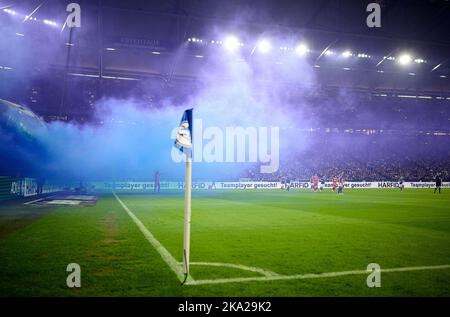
<point x="165" y="255"/>
<point x="312" y="275"/>
<point x="238" y="266"/>
<point x="33" y="201"/>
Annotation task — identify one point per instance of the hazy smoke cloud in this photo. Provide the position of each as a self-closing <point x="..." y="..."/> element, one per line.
<point x="132" y="142"/>
<point x="127" y="140"/>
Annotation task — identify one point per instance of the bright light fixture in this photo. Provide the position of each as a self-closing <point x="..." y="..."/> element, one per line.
<point x="264" y="46"/>
<point x="347" y="54"/>
<point x="231" y="43"/>
<point x="301" y="49"/>
<point x="404" y="59"/>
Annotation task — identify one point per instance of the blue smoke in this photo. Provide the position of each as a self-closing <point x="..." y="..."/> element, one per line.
<point x="129" y="141"/>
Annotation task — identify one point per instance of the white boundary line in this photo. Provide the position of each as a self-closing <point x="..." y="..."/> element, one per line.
<point x="312" y="275"/>
<point x="238" y="266"/>
<point x="165" y="255"/>
<point x="33" y="201"/>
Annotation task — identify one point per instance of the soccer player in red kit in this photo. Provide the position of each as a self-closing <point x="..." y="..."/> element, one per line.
<point x="315" y="182"/>
<point x="335" y="183"/>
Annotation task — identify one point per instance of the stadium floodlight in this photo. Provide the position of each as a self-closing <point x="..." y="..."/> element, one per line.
<point x="48" y="22"/>
<point x="404" y="59"/>
<point x="9" y="11"/>
<point x="347" y="54"/>
<point x="419" y="61"/>
<point x="231" y="43"/>
<point x="301" y="49"/>
<point x="264" y="46"/>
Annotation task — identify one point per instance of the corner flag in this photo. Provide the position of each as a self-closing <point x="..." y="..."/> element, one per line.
<point x="183" y="140"/>
<point x="184" y="143"/>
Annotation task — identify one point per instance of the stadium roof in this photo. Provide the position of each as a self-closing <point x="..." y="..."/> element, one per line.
<point x="173" y="39"/>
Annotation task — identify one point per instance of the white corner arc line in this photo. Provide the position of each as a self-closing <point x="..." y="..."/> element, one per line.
<point x="238" y="266"/>
<point x="314" y="275"/>
<point x="165" y="255"/>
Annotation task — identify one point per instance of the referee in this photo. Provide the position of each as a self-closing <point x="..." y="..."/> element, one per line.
<point x="438" y="181"/>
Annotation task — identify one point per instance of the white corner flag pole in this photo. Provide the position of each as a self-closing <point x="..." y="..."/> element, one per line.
<point x="187" y="214"/>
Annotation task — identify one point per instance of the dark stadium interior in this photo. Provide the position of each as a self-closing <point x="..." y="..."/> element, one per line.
<point x="399" y="118"/>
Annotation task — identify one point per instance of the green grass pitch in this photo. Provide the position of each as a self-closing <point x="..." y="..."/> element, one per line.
<point x="289" y="233"/>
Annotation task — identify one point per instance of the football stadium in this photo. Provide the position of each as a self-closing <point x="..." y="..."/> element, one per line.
<point x="224" y="149"/>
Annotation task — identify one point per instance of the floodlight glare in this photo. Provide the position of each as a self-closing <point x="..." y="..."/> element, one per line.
<point x="405" y="59"/>
<point x="231" y="43"/>
<point x="347" y="54"/>
<point x="264" y="46"/>
<point x="301" y="49"/>
<point x="9" y="11"/>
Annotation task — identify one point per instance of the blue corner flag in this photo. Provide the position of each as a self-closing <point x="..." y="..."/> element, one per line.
<point x="183" y="140"/>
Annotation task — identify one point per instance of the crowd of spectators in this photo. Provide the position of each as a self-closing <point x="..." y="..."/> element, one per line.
<point x="357" y="163"/>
